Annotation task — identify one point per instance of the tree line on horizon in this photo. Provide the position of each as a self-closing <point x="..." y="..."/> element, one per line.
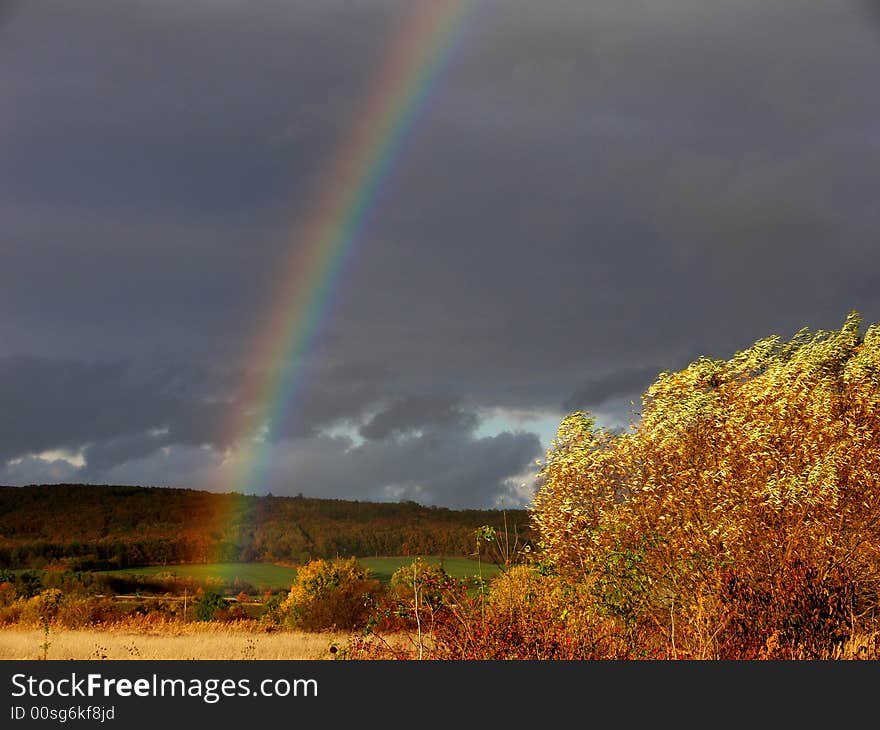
<point x="92" y="527"/>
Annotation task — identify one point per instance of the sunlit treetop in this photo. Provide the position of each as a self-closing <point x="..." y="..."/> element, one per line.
<point x="752" y="462"/>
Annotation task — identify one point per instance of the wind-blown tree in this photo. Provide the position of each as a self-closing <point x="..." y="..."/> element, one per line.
<point x="740" y="515"/>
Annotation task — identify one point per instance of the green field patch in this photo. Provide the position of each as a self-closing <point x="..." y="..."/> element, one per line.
<point x="461" y="568"/>
<point x="263" y="576"/>
<point x="268" y="576"/>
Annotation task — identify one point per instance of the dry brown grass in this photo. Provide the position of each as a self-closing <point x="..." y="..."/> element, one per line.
<point x="170" y="641"/>
<point x="860" y="646"/>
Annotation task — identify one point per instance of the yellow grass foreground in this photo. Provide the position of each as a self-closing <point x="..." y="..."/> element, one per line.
<point x="175" y="641"/>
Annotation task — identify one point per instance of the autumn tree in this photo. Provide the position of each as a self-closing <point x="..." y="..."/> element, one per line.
<point x="330" y="594"/>
<point x="740" y="515"/>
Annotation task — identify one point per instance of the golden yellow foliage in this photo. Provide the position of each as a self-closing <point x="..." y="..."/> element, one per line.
<point x="329" y="594"/>
<point x="738" y="470"/>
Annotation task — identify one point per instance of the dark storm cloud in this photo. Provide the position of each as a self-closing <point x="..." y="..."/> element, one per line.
<point x="417" y="412"/>
<point x="600" y="389"/>
<point x="31" y="470"/>
<point x="107" y="408"/>
<point x="7" y="11"/>
<point x="104" y="455"/>
<point x="182" y="107"/>
<point x="871" y="10"/>
<point x="336" y="392"/>
<point x="592" y="192"/>
<point x="443" y="466"/>
<point x="118" y="411"/>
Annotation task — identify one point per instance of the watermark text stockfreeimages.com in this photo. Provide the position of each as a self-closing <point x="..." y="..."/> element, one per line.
<point x="96" y="685"/>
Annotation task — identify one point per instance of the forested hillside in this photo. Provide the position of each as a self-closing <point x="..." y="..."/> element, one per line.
<point x="96" y="527"/>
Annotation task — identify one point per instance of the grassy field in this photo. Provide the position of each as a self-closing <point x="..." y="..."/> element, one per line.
<point x="384" y="568"/>
<point x="264" y="576"/>
<point x="267" y="576"/>
<point x="186" y="641"/>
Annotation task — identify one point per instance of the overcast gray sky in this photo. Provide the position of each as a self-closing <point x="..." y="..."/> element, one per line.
<point x="592" y="192"/>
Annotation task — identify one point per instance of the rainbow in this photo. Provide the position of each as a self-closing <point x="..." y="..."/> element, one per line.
<point x="323" y="241"/>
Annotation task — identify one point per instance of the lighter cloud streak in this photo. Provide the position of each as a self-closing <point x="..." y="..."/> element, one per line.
<point x="74" y="459"/>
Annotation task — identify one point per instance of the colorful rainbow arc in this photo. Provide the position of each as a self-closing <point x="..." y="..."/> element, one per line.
<point x="334" y="225"/>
